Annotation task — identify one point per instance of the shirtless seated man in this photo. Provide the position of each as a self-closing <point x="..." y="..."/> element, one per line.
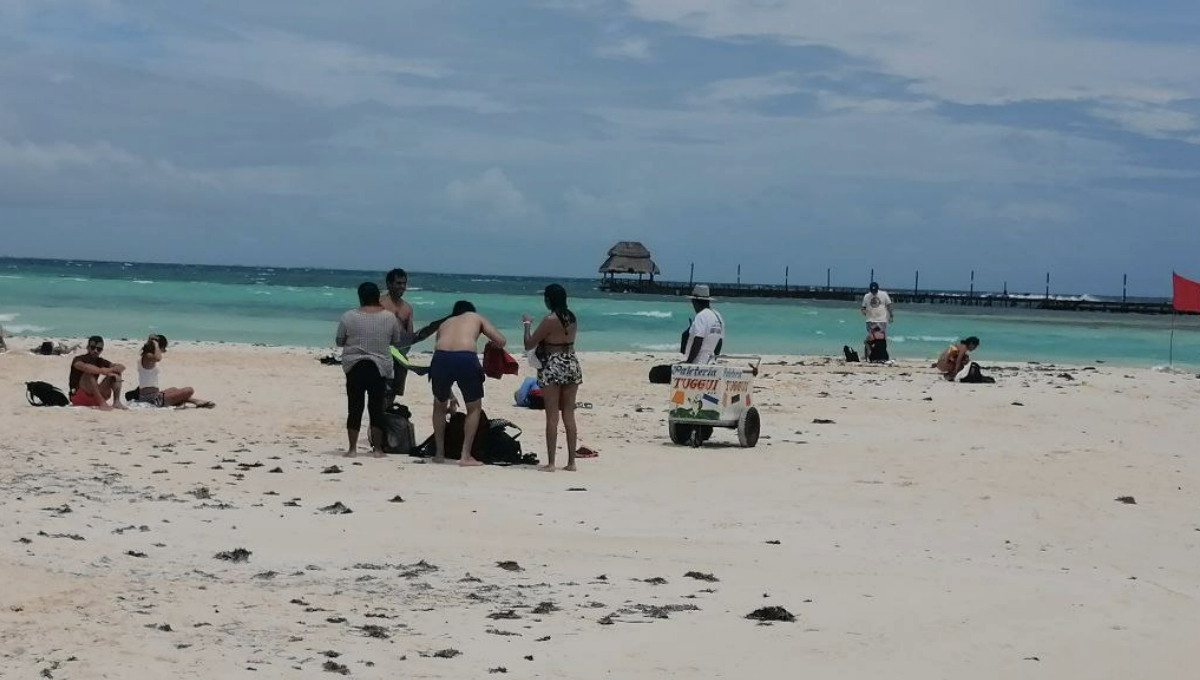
<point x="93" y="380"/>
<point x="456" y="361"/>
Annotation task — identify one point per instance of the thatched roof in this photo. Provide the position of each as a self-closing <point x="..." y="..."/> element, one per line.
<point x="629" y="257"/>
<point x="632" y="249"/>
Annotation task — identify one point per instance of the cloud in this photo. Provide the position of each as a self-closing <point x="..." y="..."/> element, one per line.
<point x="966" y="52"/>
<point x="491" y="192"/>
<point x="632" y="48"/>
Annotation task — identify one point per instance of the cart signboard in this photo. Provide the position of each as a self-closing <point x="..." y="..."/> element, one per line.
<point x="712" y="393"/>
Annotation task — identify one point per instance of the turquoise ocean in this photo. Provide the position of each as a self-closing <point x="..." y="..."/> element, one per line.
<point x="46" y="299"/>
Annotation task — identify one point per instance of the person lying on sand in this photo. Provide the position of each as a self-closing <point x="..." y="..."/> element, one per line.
<point x="49" y="348"/>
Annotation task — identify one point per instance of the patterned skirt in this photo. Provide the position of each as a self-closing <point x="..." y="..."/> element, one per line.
<point x="560" y="369"/>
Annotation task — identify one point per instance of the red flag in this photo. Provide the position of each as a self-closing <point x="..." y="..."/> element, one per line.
<point x="1187" y="294"/>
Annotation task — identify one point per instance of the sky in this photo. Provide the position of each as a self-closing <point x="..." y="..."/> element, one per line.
<point x="1008" y="138"/>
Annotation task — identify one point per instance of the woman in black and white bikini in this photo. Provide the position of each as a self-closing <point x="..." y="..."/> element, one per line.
<point x="560" y="374"/>
<point x="148" y="389"/>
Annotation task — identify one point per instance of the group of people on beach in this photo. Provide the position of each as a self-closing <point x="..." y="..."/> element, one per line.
<point x="97" y="382"/>
<point x="376" y="337"/>
<point x="954" y="363"/>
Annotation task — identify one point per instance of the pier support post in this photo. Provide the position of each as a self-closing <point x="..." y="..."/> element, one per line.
<point x="691" y="273"/>
<point x="916" y="282"/>
<point x="828" y="279"/>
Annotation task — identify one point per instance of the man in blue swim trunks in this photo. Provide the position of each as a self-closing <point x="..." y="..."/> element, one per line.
<point x="456" y="362"/>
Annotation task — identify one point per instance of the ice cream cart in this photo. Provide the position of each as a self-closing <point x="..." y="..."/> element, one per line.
<point x="707" y="396"/>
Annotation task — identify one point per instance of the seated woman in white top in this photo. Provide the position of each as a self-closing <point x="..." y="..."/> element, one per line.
<point x="148" y="390"/>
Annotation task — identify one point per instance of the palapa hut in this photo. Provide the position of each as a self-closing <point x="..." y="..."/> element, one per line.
<point x="628" y="257"/>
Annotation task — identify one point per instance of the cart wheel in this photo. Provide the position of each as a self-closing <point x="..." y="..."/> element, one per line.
<point x="747" y="428"/>
<point x="680" y="434"/>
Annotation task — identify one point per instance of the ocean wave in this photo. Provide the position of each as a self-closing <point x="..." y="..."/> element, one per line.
<point x="663" y="347"/>
<point x="11" y="276"/>
<point x="922" y="338"/>
<point x="485" y="280"/>
<point x="261" y="292"/>
<point x="653" y="314"/>
<point x="22" y="328"/>
<point x="8" y="317"/>
<point x="141" y="281"/>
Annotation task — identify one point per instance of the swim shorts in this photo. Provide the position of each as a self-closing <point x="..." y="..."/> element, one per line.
<point x="461" y="368"/>
<point x="81" y="398"/>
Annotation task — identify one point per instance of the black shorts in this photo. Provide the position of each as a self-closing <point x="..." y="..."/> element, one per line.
<point x="456" y="368"/>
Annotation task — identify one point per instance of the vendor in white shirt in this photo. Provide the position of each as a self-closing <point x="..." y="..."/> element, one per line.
<point x="707" y="330"/>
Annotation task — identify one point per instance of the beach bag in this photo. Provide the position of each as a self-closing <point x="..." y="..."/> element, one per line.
<point x="975" y="375"/>
<point x="40" y="393"/>
<point x="500" y="447"/>
<point x="851" y="355"/>
<point x="46" y="348"/>
<point x="399" y="436"/>
<point x="877" y="351"/>
<point x="660" y="375"/>
<point x="455" y="427"/>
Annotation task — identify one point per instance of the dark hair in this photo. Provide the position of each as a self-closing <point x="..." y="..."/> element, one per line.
<point x="368" y="294"/>
<point x="396" y="273"/>
<point x="95" y="340"/>
<point x="462" y="307"/>
<point x="971" y="340"/>
<point x="556" y="301"/>
<point x="149" y="346"/>
<point x="873" y="286"/>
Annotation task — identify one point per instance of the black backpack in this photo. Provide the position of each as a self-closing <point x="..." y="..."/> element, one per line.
<point x="500" y="447"/>
<point x="44" y="394"/>
<point x="398" y="433"/>
<point x="660" y="375"/>
<point x="851" y="355"/>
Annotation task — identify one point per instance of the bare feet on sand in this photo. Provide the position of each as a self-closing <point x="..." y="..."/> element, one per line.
<point x="439" y="459"/>
<point x="547" y="468"/>
<point x="350" y="454"/>
<point x="570" y="468"/>
<point x="378" y="453"/>
<point x="469" y="462"/>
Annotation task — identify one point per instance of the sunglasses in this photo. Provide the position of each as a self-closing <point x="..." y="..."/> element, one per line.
<point x="96" y="347"/>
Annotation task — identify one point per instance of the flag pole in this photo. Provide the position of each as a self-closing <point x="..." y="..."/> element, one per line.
<point x="1171" y="351"/>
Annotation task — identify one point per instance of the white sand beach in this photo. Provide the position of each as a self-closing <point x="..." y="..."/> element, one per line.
<point x="931" y="530"/>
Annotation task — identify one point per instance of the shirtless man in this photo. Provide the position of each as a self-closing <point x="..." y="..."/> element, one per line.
<point x="394" y="302"/>
<point x="456" y="361"/>
<point x="85" y="384"/>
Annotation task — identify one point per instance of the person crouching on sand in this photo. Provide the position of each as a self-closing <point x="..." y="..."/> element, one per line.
<point x="366" y="335"/>
<point x="95" y="380"/>
<point x="456" y="362"/>
<point x="148" y="390"/>
<point x="560" y="374"/>
<point x="956" y="357"/>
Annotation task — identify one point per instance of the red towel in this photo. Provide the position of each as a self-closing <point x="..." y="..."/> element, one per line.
<point x="497" y="363"/>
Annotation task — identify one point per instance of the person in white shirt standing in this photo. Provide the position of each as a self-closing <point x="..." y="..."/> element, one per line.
<point x="707" y="331"/>
<point x="877" y="308"/>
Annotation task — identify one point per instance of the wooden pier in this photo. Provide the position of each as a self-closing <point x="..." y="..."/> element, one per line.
<point x="960" y="298"/>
